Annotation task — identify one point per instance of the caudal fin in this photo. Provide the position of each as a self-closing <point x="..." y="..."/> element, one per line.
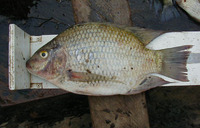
<point x="174" y="62"/>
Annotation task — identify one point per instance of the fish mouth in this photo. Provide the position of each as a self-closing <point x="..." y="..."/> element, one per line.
<point x="28" y="66"/>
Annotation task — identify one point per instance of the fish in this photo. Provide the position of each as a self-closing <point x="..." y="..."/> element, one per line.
<point x="101" y="59"/>
<point x="165" y="9"/>
<point x="192" y="7"/>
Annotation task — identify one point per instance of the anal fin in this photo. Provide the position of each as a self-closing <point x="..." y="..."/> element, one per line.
<point x="148" y="83"/>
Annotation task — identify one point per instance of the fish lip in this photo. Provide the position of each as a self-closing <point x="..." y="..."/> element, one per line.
<point x="28" y="66"/>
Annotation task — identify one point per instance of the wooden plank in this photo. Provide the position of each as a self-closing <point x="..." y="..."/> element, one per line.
<point x="119" y="111"/>
<point x="18" y="55"/>
<point x="112" y="111"/>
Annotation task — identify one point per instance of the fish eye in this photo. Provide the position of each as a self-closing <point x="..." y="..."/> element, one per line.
<point x="44" y="54"/>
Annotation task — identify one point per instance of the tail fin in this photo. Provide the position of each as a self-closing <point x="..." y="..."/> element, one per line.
<point x="174" y="62"/>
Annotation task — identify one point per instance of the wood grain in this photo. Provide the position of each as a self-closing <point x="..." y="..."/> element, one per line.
<point x="112" y="111"/>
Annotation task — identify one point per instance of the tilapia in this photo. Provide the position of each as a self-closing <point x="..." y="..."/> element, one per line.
<point x="107" y="59"/>
<point x="192" y="7"/>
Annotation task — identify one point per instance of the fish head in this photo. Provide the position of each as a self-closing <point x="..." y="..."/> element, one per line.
<point x="48" y="62"/>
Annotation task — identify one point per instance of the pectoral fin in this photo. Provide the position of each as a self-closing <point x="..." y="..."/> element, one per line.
<point x="87" y="77"/>
<point x="148" y="83"/>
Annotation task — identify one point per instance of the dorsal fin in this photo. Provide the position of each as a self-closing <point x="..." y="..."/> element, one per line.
<point x="144" y="35"/>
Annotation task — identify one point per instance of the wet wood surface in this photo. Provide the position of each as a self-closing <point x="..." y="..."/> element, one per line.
<point x="112" y="111"/>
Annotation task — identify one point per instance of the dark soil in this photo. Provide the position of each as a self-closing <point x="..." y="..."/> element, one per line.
<point x="174" y="107"/>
